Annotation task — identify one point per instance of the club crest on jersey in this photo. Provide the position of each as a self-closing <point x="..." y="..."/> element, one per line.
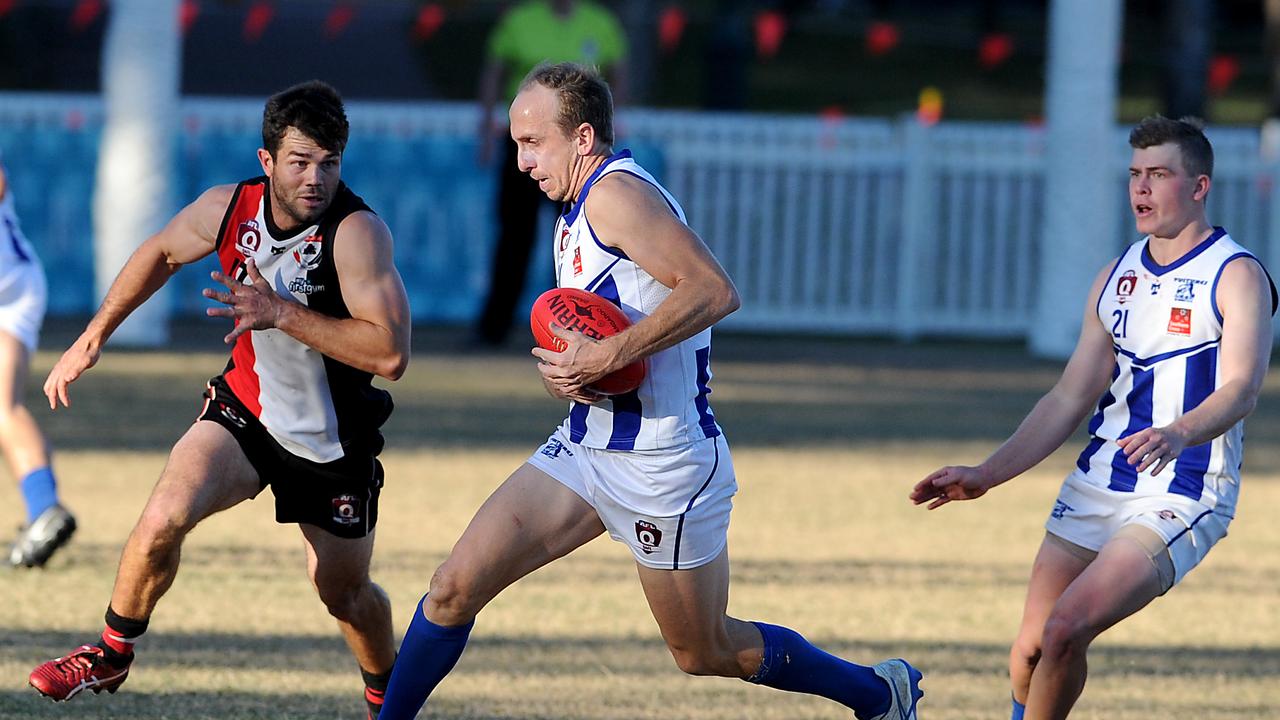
<point x="307" y="254"/>
<point x="1186" y="291"/>
<point x="248" y="237"/>
<point x="346" y="510"/>
<point x="649" y="535"/>
<point x="564" y="238"/>
<point x="231" y="415"/>
<point x="1125" y="285"/>
<point x="1179" y="321"/>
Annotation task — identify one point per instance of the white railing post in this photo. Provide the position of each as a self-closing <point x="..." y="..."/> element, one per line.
<point x="141" y="62"/>
<point x="1079" y="195"/>
<point x="918" y="227"/>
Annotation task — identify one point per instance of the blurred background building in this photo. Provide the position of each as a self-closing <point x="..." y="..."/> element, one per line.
<point x="860" y="166"/>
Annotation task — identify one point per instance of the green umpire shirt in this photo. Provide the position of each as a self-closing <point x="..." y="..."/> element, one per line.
<point x="531" y="33"/>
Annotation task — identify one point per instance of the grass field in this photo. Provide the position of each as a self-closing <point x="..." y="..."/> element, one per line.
<point x="828" y="437"/>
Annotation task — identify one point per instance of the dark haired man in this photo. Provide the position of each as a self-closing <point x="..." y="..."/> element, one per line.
<point x="1173" y="350"/>
<point x="319" y="308"/>
<point x="651" y="467"/>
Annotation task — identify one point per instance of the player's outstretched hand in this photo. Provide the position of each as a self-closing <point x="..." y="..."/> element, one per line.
<point x="956" y="482"/>
<point x="1152" y="446"/>
<point x="253" y="305"/>
<point x="583" y="361"/>
<point x="79" y="357"/>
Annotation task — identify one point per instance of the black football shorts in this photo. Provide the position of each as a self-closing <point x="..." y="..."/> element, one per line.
<point x="339" y="496"/>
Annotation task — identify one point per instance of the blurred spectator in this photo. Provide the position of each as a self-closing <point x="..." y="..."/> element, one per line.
<point x="529" y="33"/>
<point x="1271" y="125"/>
<point x="1187" y="28"/>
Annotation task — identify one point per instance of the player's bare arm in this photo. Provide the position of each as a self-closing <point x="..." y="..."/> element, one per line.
<point x="376" y="336"/>
<point x="1244" y="299"/>
<point x="1046" y="427"/>
<point x="189" y="236"/>
<point x="629" y="214"/>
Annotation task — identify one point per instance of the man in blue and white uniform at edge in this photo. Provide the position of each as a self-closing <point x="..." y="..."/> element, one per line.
<point x="650" y="467"/>
<point x="1176" y="341"/>
<point x="22" y="304"/>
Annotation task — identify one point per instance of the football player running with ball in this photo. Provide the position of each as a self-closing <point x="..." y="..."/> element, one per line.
<point x="650" y="466"/>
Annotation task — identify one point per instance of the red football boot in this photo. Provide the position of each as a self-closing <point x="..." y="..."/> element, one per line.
<point x="85" y="668"/>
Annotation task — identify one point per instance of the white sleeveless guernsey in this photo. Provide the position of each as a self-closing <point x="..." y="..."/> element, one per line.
<point x="1167" y="328"/>
<point x="670" y="407"/>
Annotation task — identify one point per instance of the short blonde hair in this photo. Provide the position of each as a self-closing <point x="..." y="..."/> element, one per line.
<point x="584" y="96"/>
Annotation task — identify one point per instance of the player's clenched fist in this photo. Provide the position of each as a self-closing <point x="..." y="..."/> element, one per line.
<point x="957" y="482"/>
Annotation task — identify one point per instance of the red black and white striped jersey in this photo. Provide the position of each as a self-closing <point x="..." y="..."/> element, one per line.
<point x="313" y="405"/>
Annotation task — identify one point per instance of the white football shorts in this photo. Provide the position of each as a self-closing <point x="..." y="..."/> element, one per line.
<point x="670" y="506"/>
<point x="1089" y="516"/>
<point x="22" y="302"/>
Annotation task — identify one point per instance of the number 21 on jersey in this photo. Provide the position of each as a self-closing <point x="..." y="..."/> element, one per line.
<point x="1120" y="328"/>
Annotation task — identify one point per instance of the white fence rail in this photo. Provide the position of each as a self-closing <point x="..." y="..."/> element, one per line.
<point x="853" y="226"/>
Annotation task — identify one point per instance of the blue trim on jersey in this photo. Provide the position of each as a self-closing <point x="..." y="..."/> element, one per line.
<point x="1145" y="363"/>
<point x="1150" y="263"/>
<point x="591" y="286"/>
<point x="609" y="291"/>
<point x="1213" y="293"/>
<point x="1192" y="465"/>
<point x="675" y="556"/>
<point x="578" y="421"/>
<point x="616" y="252"/>
<point x="1124" y="477"/>
<point x="627" y="412"/>
<point x="572" y="214"/>
<point x="1095" y="423"/>
<point x="13" y="239"/>
<point x="1119" y="261"/>
<point x="1213" y="289"/>
<point x="647" y="181"/>
<point x="706" y="418"/>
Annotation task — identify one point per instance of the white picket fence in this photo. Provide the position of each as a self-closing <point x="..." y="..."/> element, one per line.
<point x="849" y="226"/>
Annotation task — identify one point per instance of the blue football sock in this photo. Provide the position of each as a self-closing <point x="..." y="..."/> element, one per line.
<point x="1018" y="709"/>
<point x="791" y="663"/>
<point x="427" y="653"/>
<point x="40" y="492"/>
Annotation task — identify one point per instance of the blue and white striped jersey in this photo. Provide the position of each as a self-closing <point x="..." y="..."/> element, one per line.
<point x="16" y="254"/>
<point x="670" y="407"/>
<point x="1167" y="328"/>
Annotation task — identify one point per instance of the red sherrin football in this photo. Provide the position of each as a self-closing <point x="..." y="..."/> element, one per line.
<point x="592" y="316"/>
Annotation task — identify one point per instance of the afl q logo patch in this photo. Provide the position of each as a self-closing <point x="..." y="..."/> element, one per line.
<point x="1125" y="285"/>
<point x="346" y="510"/>
<point x="248" y="238"/>
<point x="649" y="535"/>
